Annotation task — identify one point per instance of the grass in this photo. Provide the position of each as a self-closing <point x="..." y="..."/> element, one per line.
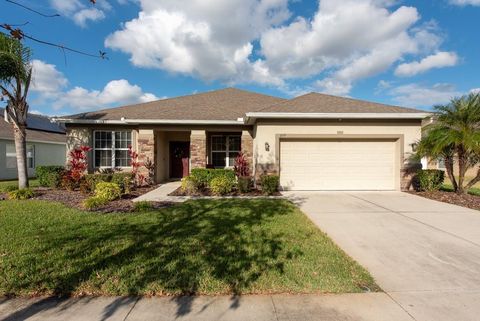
<point x="449" y="188"/>
<point x="198" y="247"/>
<point x="5" y="185"/>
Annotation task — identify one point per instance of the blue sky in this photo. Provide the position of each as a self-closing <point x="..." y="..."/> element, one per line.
<point x="408" y="53"/>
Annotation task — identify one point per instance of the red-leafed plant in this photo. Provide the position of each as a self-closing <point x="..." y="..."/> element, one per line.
<point x="77" y="166"/>
<point x="138" y="178"/>
<point x="241" y="166"/>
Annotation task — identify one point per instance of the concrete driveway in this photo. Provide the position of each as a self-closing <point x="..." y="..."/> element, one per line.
<point x="424" y="254"/>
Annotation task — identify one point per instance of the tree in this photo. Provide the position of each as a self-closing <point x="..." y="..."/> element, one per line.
<point x="454" y="135"/>
<point x="15" y="76"/>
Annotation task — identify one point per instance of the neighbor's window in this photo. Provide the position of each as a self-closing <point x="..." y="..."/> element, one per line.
<point x="441" y="163"/>
<point x="225" y="149"/>
<point x="111" y="148"/>
<point x="11" y="156"/>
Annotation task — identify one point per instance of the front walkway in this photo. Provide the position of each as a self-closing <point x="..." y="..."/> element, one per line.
<point x="160" y="194"/>
<point x="424" y="254"/>
<point x="367" y="306"/>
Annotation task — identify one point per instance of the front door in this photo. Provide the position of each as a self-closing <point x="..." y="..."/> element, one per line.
<point x="179" y="159"/>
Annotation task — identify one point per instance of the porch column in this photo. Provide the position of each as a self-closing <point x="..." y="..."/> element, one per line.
<point x="198" y="149"/>
<point x="146" y="148"/>
<point x="247" y="148"/>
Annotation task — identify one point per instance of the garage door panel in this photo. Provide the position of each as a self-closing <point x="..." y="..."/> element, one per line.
<point x="337" y="165"/>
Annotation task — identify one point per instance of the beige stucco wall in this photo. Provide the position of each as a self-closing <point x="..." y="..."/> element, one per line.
<point x="45" y="154"/>
<point x="267" y="132"/>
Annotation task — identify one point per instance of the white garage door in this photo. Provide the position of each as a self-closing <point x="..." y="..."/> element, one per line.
<point x="337" y="165"/>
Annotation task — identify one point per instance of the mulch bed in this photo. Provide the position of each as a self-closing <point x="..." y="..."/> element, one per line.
<point x="467" y="200"/>
<point x="75" y="198"/>
<point x="207" y="192"/>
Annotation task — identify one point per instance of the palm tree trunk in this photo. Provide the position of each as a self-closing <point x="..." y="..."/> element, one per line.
<point x="462" y="169"/>
<point x="449" y="168"/>
<point x="21" y="151"/>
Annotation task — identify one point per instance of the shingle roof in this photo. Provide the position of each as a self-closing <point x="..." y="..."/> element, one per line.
<point x="39" y="128"/>
<point x="321" y="103"/>
<point x="224" y="104"/>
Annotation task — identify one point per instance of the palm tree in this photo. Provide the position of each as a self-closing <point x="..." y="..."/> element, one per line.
<point x="454" y="135"/>
<point x="15" y="76"/>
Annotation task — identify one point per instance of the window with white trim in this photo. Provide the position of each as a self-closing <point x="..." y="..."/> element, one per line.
<point x="11" y="156"/>
<point x="224" y="150"/>
<point x="441" y="163"/>
<point x="111" y="148"/>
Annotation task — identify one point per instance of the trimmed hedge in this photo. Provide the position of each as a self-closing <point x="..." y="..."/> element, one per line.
<point x="204" y="176"/>
<point x="244" y="184"/>
<point x="21" y="194"/>
<point x="270" y="183"/>
<point x="124" y="180"/>
<point x="189" y="185"/>
<point x="108" y="191"/>
<point x="428" y="180"/>
<point x="50" y="176"/>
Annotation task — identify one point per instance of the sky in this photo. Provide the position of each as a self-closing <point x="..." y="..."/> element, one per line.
<point x="407" y="53"/>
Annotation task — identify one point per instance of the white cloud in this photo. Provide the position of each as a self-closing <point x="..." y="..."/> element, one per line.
<point x="81" y="11"/>
<point x="465" y="2"/>
<point x="241" y="41"/>
<point x="416" y="95"/>
<point x="475" y="91"/>
<point x="46" y="79"/>
<point x="438" y="60"/>
<point x="49" y="85"/>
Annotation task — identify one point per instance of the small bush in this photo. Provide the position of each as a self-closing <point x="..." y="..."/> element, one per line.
<point x="9" y="188"/>
<point x="190" y="185"/>
<point x="142" y="206"/>
<point x="108" y="191"/>
<point x="204" y="176"/>
<point x="428" y="180"/>
<point x="124" y="180"/>
<point x="269" y="183"/>
<point x="94" y="202"/>
<point x="50" y="176"/>
<point x="222" y="185"/>
<point x="91" y="181"/>
<point x="21" y="194"/>
<point x="244" y="184"/>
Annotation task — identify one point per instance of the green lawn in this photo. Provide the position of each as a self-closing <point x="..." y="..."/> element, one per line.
<point x="202" y="247"/>
<point x="4" y="185"/>
<point x="449" y="188"/>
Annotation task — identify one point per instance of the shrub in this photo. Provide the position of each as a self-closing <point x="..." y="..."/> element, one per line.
<point x="9" y="188"/>
<point x="77" y="166"/>
<point x="204" y="176"/>
<point x="142" y="206"/>
<point x="222" y="185"/>
<point x="21" y="194"/>
<point x="108" y="191"/>
<point x="429" y="180"/>
<point x="94" y="202"/>
<point x="190" y="185"/>
<point x="244" y="184"/>
<point x="241" y="166"/>
<point x="91" y="180"/>
<point x="269" y="183"/>
<point x="50" y="176"/>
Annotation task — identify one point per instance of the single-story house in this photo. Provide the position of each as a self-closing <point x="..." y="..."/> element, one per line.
<point x="46" y="145"/>
<point x="314" y="142"/>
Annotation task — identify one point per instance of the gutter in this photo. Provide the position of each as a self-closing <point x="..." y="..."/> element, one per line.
<point x="252" y="117"/>
<point x="124" y="121"/>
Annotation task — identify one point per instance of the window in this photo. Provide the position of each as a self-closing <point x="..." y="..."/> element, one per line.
<point x="111" y="148"/>
<point x="11" y="156"/>
<point x="224" y="150"/>
<point x="441" y="163"/>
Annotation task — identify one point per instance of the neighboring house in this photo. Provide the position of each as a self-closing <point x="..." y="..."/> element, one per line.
<point x="46" y="145"/>
<point x="314" y="142"/>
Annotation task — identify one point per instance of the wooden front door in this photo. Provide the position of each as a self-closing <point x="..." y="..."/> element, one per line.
<point x="179" y="159"/>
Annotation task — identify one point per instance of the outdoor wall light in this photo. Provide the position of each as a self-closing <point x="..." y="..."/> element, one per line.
<point x="267" y="147"/>
<point x="414" y="147"/>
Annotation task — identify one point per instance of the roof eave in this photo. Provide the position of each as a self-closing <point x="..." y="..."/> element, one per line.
<point x="252" y="117"/>
<point x="125" y="121"/>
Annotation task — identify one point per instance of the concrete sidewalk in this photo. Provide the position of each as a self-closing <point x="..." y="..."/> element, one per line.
<point x="364" y="306"/>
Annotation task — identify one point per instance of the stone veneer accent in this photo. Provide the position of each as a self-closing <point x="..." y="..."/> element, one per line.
<point x="247" y="148"/>
<point x="198" y="149"/>
<point x="145" y="148"/>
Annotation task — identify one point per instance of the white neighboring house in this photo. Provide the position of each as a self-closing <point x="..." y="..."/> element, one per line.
<point x="46" y="145"/>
